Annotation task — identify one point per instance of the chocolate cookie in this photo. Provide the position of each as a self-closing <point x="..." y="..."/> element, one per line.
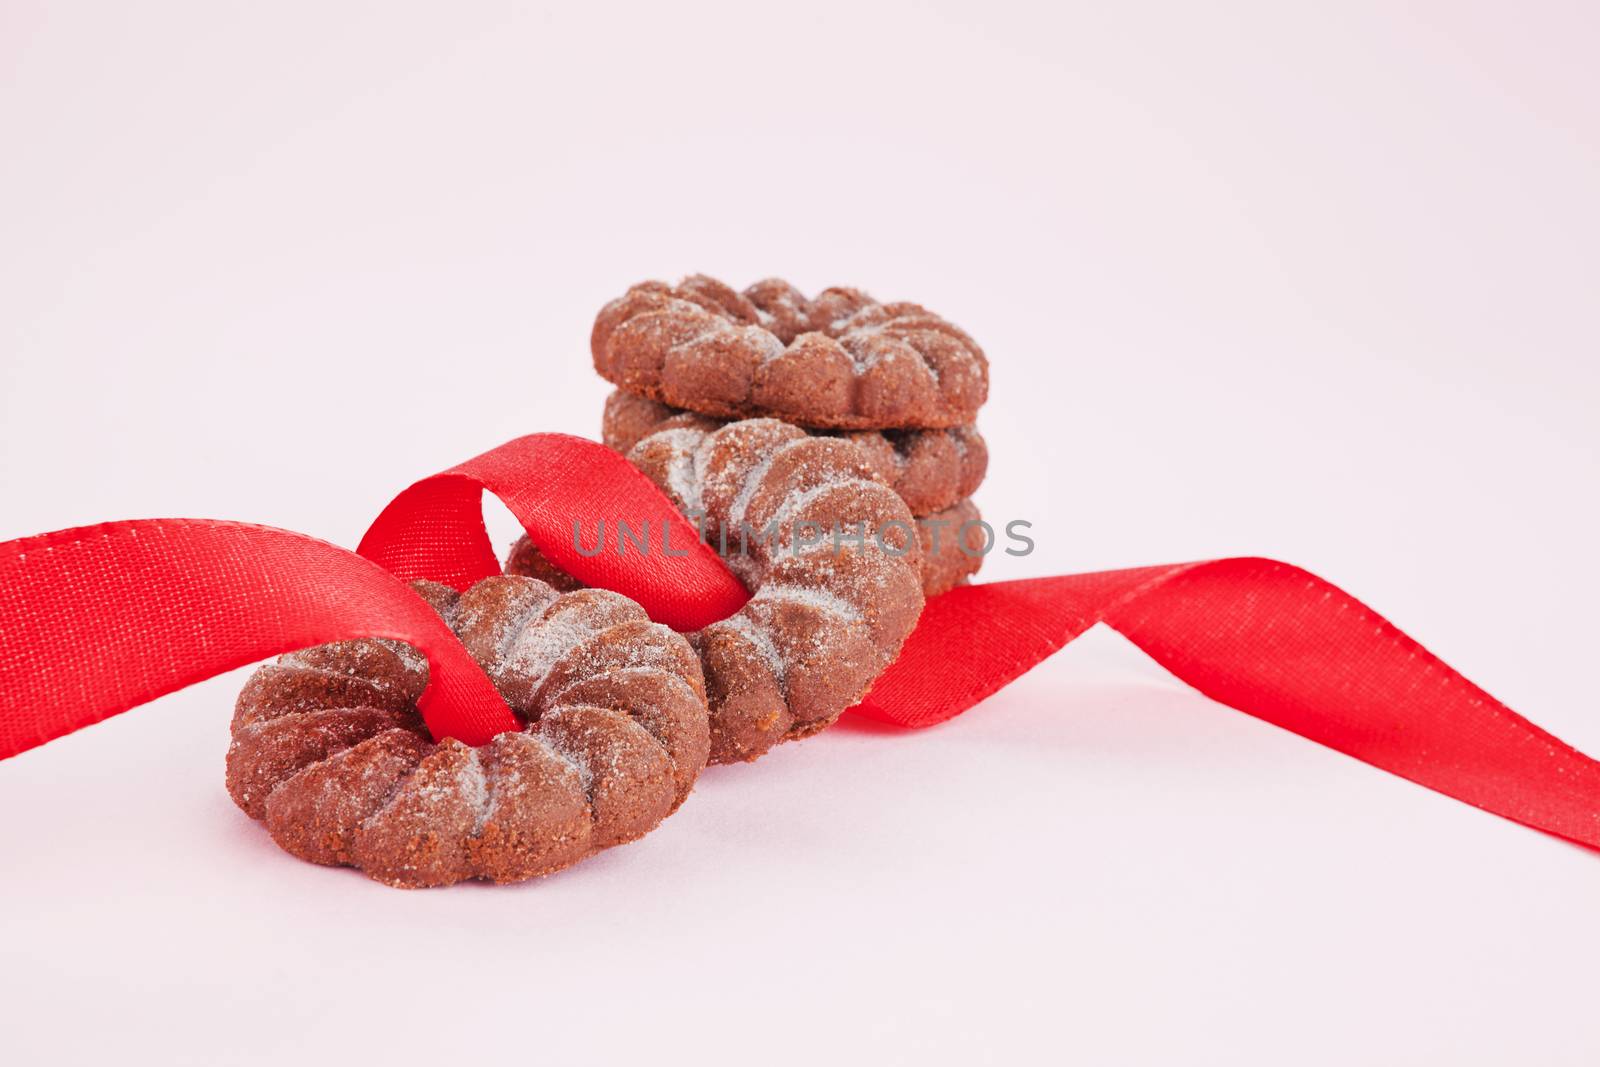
<point x="954" y="542"/>
<point x="331" y="754"/>
<point x="931" y="469"/>
<point x="825" y="617"/>
<point x="953" y="546"/>
<point x="839" y="361"/>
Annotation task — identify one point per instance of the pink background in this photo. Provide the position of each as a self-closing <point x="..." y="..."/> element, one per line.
<point x="1257" y="278"/>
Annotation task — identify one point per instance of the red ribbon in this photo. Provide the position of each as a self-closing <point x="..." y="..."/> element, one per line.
<point x="1271" y="640"/>
<point x="100" y="619"/>
<point x="549" y="481"/>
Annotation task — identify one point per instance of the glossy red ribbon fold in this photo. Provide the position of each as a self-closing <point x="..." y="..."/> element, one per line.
<point x="100" y="619"/>
<point x="435" y="529"/>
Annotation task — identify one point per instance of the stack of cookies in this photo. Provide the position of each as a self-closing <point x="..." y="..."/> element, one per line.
<point x="898" y="380"/>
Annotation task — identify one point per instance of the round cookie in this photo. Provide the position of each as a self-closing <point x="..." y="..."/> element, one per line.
<point x="526" y="560"/>
<point x="932" y="470"/>
<point x="839" y="361"/>
<point x="826" y="616"/>
<point x="331" y="754"/>
<point x="629" y="418"/>
<point x="954" y="542"/>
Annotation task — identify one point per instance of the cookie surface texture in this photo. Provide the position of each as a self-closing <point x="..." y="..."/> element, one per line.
<point x="932" y="470"/>
<point x="330" y="753"/>
<point x="827" y="614"/>
<point x="840" y="360"/>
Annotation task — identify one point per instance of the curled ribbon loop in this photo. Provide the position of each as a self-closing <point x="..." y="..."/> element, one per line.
<point x="549" y="481"/>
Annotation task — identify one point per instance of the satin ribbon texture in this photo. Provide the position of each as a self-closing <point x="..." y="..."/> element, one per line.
<point x="100" y="619"/>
